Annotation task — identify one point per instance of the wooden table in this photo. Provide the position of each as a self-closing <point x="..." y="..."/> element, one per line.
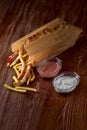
<point x="46" y="110"/>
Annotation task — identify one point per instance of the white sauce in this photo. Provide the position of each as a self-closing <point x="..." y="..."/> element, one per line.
<point x="65" y="83"/>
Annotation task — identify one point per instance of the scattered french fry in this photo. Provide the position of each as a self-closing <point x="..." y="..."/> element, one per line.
<point x="26" y="88"/>
<point x="14" y="89"/>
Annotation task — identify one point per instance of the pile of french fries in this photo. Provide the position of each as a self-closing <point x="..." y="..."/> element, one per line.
<point x="24" y="71"/>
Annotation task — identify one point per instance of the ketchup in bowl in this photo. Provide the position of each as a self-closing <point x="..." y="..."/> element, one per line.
<point x="49" y="68"/>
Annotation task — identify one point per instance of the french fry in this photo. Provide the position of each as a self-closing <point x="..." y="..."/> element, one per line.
<point x="26" y="88"/>
<point x="17" y="72"/>
<point x="15" y="79"/>
<point x="25" y="55"/>
<point x="32" y="79"/>
<point x="14" y="89"/>
<point x="28" y="80"/>
<point x="18" y="65"/>
<point x="14" y="62"/>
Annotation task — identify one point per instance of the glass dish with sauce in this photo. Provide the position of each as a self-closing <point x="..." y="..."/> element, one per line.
<point x="66" y="82"/>
<point x="49" y="68"/>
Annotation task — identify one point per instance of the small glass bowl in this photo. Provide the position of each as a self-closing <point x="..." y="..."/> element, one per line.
<point x="49" y="68"/>
<point x="62" y="83"/>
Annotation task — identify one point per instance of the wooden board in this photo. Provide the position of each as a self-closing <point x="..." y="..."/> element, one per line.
<point x="46" y="110"/>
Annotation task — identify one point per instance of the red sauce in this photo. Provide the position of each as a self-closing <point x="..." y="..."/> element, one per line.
<point x="49" y="69"/>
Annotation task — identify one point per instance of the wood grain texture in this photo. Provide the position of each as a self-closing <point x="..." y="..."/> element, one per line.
<point x="45" y="110"/>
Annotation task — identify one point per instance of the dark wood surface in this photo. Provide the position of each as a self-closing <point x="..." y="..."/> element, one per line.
<point x="45" y="110"/>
